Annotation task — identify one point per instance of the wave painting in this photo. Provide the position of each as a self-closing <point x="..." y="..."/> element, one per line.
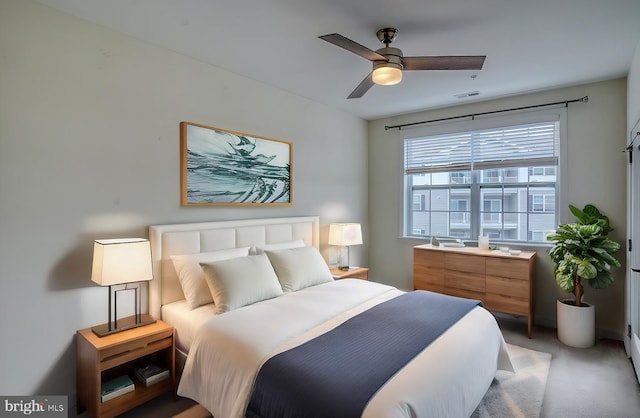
<point x="231" y="168"/>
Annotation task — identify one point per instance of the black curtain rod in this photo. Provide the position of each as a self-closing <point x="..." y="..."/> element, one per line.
<point x="584" y="99"/>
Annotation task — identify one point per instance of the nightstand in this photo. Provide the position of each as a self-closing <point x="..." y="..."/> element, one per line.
<point x="101" y="359"/>
<point x="352" y="273"/>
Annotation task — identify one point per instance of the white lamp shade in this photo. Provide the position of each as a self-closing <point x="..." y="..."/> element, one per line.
<point x="118" y="261"/>
<point x="387" y="75"/>
<point x="345" y="234"/>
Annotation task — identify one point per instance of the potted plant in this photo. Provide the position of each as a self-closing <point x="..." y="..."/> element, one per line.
<point x="581" y="253"/>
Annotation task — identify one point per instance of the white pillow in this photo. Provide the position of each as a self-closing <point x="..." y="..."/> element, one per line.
<point x="241" y="281"/>
<point x="298" y="268"/>
<point x="259" y="249"/>
<point x="195" y="289"/>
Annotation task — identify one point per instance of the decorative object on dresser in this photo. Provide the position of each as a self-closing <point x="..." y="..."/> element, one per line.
<point x="121" y="264"/>
<point x="345" y="235"/>
<point x="221" y="167"/>
<point x="503" y="282"/>
<point x="581" y="253"/>
<point x="100" y="360"/>
<point x="352" y="273"/>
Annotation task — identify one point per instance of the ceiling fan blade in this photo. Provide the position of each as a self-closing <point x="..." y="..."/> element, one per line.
<point x="352" y="46"/>
<point x="472" y="62"/>
<point x="362" y="88"/>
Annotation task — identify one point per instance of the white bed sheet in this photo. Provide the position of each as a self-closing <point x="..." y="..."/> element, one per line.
<point x="186" y="321"/>
<point x="449" y="378"/>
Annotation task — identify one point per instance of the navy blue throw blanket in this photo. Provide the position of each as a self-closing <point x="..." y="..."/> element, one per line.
<point x="335" y="374"/>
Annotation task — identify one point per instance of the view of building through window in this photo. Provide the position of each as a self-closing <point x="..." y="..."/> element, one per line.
<point x="513" y="203"/>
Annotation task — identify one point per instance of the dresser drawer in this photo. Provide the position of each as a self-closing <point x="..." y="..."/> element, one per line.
<point x="507" y="287"/>
<point x="464" y="281"/>
<point x="463" y="293"/>
<point x="428" y="271"/>
<point x="432" y="274"/>
<point x="508" y="267"/>
<point x="427" y="282"/>
<point x="465" y="263"/>
<point x="507" y="304"/>
<point x="430" y="259"/>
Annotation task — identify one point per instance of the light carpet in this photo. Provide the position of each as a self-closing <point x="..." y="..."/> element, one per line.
<point x="512" y="395"/>
<point x="519" y="394"/>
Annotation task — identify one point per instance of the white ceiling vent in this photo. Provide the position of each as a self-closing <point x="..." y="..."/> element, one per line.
<point x="467" y="94"/>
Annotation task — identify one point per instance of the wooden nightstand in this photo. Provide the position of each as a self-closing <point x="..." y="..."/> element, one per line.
<point x="352" y="273"/>
<point x="101" y="359"/>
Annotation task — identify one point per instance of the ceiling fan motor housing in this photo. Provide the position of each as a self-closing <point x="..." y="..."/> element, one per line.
<point x="394" y="56"/>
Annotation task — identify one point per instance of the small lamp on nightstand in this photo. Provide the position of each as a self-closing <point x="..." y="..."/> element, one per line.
<point x="117" y="263"/>
<point x="345" y="235"/>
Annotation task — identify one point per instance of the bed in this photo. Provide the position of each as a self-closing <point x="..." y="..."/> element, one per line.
<point x="224" y="359"/>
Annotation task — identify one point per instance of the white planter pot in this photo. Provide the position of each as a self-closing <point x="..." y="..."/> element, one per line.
<point x="576" y="325"/>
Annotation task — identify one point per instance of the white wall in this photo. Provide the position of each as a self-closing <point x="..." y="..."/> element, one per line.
<point x="633" y="91"/>
<point x="596" y="173"/>
<point x="89" y="148"/>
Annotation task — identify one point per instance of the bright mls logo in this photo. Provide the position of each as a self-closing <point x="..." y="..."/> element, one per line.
<point x="37" y="406"/>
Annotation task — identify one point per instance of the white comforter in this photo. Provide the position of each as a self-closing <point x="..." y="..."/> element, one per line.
<point x="447" y="379"/>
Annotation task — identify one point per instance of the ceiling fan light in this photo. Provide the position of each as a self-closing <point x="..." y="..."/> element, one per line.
<point x="387" y="74"/>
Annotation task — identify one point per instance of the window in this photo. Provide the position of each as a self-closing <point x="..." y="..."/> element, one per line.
<point x="418" y="202"/>
<point x="496" y="177"/>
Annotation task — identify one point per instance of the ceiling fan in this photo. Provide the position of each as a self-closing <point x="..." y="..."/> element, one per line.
<point x="388" y="62"/>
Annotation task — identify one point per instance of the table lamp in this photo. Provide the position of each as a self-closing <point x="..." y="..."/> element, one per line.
<point x="121" y="264"/>
<point x="344" y="235"/>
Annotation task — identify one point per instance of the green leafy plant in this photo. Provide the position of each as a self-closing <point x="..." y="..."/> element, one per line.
<point x="583" y="253"/>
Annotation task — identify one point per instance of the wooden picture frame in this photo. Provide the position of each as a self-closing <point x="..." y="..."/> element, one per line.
<point x="227" y="168"/>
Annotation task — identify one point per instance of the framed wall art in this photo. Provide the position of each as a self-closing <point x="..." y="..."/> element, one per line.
<point x="220" y="167"/>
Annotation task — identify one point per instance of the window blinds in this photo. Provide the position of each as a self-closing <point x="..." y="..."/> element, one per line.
<point x="525" y="145"/>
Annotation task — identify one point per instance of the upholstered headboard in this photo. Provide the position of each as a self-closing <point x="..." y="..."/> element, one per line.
<point x="191" y="238"/>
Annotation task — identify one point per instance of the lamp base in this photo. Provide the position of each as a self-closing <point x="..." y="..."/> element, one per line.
<point x="344" y="268"/>
<point x="122" y="325"/>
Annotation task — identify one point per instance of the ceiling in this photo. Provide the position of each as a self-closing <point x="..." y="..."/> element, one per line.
<point x="530" y="45"/>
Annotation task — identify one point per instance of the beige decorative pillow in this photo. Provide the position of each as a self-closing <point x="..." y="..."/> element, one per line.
<point x="259" y="249"/>
<point x="241" y="281"/>
<point x="191" y="277"/>
<point x="298" y="268"/>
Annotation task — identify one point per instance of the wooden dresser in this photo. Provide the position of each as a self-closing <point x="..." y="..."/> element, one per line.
<point x="503" y="282"/>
